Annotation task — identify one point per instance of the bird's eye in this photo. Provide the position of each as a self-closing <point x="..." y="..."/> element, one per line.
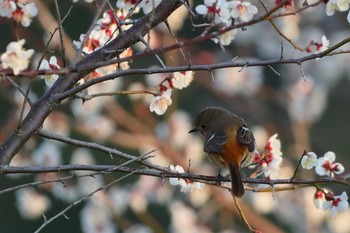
<point x="203" y="126"/>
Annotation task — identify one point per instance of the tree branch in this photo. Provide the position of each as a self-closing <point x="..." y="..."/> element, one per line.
<point x="207" y="67"/>
<point x="46" y="222"/>
<point x="166" y="173"/>
<point x="95" y="146"/>
<point x="46" y="104"/>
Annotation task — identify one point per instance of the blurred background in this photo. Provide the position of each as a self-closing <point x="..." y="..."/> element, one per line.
<point x="307" y="106"/>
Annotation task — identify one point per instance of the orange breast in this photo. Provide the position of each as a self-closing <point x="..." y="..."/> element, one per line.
<point x="234" y="151"/>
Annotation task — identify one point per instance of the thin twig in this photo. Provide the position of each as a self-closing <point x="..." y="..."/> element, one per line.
<point x="25" y="100"/>
<point x="143" y="41"/>
<point x="60" y="30"/>
<point x="295" y="11"/>
<point x="46" y="222"/>
<point x="64" y="211"/>
<point x="280" y="32"/>
<point x="13" y="83"/>
<point x="175" y="38"/>
<point x="51" y="37"/>
<point x="295" y="46"/>
<point x="297" y="168"/>
<point x="91" y="145"/>
<point x="86" y="97"/>
<point x="334" y="47"/>
<point x="91" y="28"/>
<point x="244" y="219"/>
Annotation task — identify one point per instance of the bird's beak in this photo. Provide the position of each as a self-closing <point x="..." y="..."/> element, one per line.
<point x="193" y="130"/>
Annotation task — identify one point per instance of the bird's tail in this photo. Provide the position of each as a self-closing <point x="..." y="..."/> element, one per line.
<point x="237" y="188"/>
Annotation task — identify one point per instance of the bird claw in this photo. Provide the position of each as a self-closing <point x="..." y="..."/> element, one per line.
<point x="218" y="182"/>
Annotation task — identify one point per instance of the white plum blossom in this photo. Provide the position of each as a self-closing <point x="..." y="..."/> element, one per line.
<point x="97" y="39"/>
<point x="307" y="101"/>
<point x="320" y="47"/>
<point x="25" y="14"/>
<point x="336" y="5"/>
<point x="127" y="5"/>
<point x="245" y="11"/>
<point x="47" y="154"/>
<point x="336" y="203"/>
<point x="273" y="156"/>
<point x="217" y="10"/>
<point x="95" y="218"/>
<point x="186" y="185"/>
<point x="226" y="38"/>
<point x="247" y="82"/>
<point x="148" y="5"/>
<point x="223" y="11"/>
<point x="326" y="200"/>
<point x="107" y="18"/>
<point x="331" y="7"/>
<point x="270" y="161"/>
<point x="105" y="30"/>
<point x="159" y="104"/>
<point x="173" y="180"/>
<point x="20" y="11"/>
<point x="274" y="145"/>
<point x="327" y="167"/>
<point x="309" y="160"/>
<point x="31" y="204"/>
<point x="50" y="79"/>
<point x="319" y="198"/>
<point x="16" y="57"/>
<point x="7" y="7"/>
<point x="99" y="126"/>
<point x="181" y="80"/>
<point x="108" y="23"/>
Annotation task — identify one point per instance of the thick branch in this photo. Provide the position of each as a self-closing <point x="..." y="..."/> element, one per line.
<point x="46" y="104"/>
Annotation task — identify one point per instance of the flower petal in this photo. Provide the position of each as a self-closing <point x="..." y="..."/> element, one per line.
<point x="330" y="156"/>
<point x="201" y="9"/>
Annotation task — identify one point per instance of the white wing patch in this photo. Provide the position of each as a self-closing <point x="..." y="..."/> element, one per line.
<point x="211" y="137"/>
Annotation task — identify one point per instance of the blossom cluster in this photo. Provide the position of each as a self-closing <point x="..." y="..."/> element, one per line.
<point x="318" y="47"/>
<point x="185" y="184"/>
<point x="134" y="6"/>
<point x="326" y="166"/>
<point x="16" y="57"/>
<point x="327" y="200"/>
<point x="224" y="12"/>
<point x="162" y="100"/>
<point x="106" y="29"/>
<point x="129" y="7"/>
<point x="19" y="10"/>
<point x="337" y="5"/>
<point x="51" y="64"/>
<point x="269" y="162"/>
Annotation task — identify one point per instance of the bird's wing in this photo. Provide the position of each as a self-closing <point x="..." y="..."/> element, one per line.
<point x="245" y="136"/>
<point x="214" y="142"/>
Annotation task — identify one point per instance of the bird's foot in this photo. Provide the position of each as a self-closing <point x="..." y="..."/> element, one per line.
<point x="218" y="182"/>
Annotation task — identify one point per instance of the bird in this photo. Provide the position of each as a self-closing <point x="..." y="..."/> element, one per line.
<point x="228" y="141"/>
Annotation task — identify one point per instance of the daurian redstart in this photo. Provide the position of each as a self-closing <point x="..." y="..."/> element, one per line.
<point x="228" y="142"/>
